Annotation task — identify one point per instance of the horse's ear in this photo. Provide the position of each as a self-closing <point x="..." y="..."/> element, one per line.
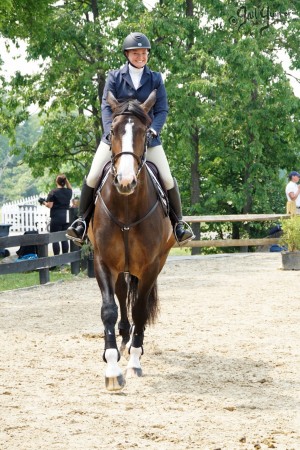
<point x="112" y="101"/>
<point x="147" y="105"/>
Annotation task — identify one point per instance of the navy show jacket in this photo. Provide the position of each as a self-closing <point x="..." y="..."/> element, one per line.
<point x="120" y="84"/>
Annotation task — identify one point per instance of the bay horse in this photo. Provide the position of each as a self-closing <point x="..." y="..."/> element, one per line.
<point x="132" y="236"/>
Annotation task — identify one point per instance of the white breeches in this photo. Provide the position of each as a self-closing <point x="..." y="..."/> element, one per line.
<point x="156" y="155"/>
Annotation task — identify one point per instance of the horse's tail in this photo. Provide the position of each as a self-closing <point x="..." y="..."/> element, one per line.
<point x="152" y="304"/>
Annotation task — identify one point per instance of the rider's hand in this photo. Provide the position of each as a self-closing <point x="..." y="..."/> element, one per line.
<point x="151" y="134"/>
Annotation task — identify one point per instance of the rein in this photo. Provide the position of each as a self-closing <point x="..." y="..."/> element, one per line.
<point x="126" y="226"/>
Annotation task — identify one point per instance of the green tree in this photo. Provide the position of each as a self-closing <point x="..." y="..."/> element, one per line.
<point x="16" y="179"/>
<point x="234" y="118"/>
<point x="77" y="45"/>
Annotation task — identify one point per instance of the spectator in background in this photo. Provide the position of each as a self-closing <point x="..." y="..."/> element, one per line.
<point x="292" y="189"/>
<point x="58" y="201"/>
<point x="74" y="209"/>
<point x="75" y="202"/>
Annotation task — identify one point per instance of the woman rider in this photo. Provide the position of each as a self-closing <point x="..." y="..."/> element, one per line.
<point x="133" y="81"/>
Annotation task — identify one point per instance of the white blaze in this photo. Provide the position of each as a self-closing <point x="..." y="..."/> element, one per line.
<point x="126" y="167"/>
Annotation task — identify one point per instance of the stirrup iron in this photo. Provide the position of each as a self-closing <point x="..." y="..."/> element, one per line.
<point x="188" y="228"/>
<point x="78" y="241"/>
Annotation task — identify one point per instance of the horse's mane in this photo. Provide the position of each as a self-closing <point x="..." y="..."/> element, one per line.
<point x="132" y="107"/>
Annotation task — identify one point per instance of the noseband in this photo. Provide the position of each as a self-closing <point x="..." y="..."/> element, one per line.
<point x="140" y="159"/>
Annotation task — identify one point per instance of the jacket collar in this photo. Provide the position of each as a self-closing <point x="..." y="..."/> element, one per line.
<point x="125" y="74"/>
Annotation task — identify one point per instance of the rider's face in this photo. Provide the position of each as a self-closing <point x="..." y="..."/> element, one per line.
<point x="138" y="57"/>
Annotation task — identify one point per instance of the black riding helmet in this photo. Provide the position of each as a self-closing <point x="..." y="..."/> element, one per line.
<point x="136" y="40"/>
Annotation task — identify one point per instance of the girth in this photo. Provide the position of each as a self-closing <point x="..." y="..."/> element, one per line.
<point x="162" y="198"/>
<point x="126" y="226"/>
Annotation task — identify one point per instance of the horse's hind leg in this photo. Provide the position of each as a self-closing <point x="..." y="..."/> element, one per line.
<point x="135" y="349"/>
<point x="114" y="379"/>
<point x="123" y="325"/>
<point x="145" y="305"/>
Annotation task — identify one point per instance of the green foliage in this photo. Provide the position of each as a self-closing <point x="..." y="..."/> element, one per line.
<point x="230" y="92"/>
<point x="233" y="125"/>
<point x="65" y="144"/>
<point x="16" y="176"/>
<point x="291" y="233"/>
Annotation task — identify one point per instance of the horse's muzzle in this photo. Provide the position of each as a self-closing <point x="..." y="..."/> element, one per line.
<point x="125" y="185"/>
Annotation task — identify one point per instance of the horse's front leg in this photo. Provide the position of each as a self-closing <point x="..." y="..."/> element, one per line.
<point x="114" y="379"/>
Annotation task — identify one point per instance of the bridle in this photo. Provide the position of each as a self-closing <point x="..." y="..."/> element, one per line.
<point x="127" y="225"/>
<point x="140" y="159"/>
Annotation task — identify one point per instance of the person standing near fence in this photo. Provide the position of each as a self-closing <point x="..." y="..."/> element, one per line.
<point x="292" y="189"/>
<point x="58" y="201"/>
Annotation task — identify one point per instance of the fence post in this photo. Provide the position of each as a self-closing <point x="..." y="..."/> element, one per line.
<point x="43" y="273"/>
<point x="90" y="265"/>
<point x="75" y="266"/>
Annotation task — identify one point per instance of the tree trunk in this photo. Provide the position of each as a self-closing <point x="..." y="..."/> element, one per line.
<point x="195" y="184"/>
<point x="189" y="8"/>
<point x="195" y="175"/>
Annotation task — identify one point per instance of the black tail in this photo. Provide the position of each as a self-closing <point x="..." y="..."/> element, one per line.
<point x="151" y="304"/>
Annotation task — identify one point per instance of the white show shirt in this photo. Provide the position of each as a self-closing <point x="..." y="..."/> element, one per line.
<point x="292" y="187"/>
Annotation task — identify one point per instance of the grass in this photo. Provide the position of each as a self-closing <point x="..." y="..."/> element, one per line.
<point x="22" y="280"/>
<point x="177" y="251"/>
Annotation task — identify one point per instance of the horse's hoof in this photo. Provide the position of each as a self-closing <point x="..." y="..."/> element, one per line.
<point x="115" y="384"/>
<point x="133" y="372"/>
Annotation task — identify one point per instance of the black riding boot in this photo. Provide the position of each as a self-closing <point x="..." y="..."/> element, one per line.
<point x="77" y="231"/>
<point x="182" y="231"/>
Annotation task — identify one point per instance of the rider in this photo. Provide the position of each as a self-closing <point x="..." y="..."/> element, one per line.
<point x="133" y="81"/>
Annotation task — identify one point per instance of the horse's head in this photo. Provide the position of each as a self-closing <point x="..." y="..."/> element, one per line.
<point x="128" y="140"/>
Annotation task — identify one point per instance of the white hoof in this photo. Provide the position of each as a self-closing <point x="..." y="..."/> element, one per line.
<point x="134" y="368"/>
<point x="114" y="380"/>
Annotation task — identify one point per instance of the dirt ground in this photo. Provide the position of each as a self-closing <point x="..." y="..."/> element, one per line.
<point x="221" y="365"/>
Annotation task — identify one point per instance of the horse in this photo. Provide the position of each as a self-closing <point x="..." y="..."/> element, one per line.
<point x="132" y="236"/>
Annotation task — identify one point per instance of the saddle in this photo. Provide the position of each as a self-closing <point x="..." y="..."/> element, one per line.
<point x="154" y="176"/>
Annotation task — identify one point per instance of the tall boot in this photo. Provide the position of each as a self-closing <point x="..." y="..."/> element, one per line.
<point x="182" y="231"/>
<point x="77" y="231"/>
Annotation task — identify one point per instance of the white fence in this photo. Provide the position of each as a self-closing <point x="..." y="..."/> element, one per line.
<point x="26" y="214"/>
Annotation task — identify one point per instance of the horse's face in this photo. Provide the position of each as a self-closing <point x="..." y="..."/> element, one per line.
<point x="128" y="137"/>
<point x="128" y="145"/>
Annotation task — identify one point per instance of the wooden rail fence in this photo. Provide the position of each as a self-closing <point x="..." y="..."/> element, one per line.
<point x="234" y="218"/>
<point x="44" y="262"/>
